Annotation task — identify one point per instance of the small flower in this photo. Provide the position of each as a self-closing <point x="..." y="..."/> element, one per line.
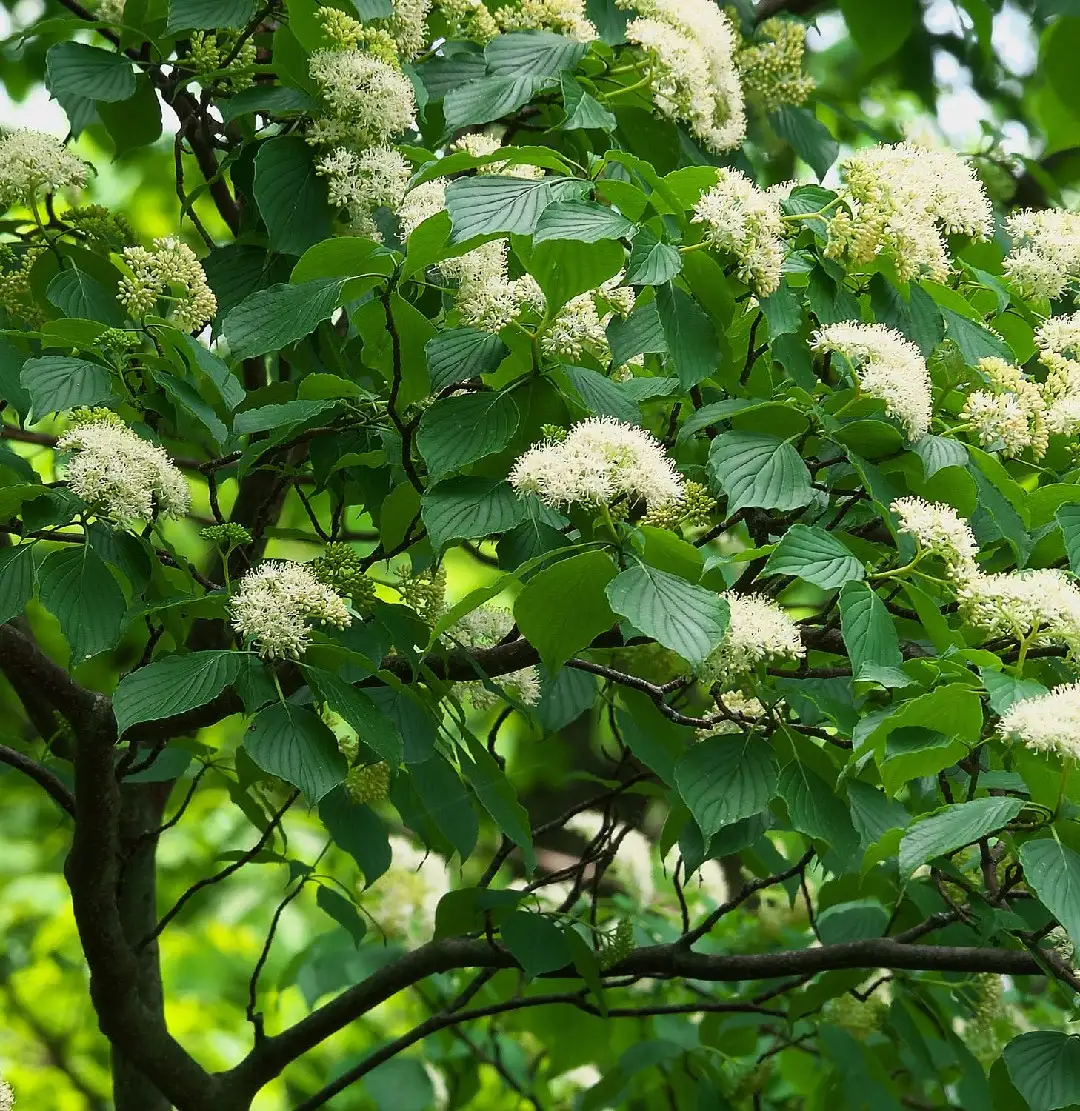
<point x="229" y="535"/>
<point x="276" y="604"/>
<point x="408" y="27"/>
<point x="361" y="183"/>
<point x="1045" y="253"/>
<point x="32" y="164"/>
<point x="939" y="531"/>
<point x="469" y="19"/>
<point x="1013" y="411"/>
<point x="424" y="592"/>
<point x="119" y="474"/>
<point x="744" y="220"/>
<point x="581" y="324"/>
<point x="902" y="200"/>
<point x="600" y="461"/>
<point x="158" y="273"/>
<point x="563" y="17"/>
<point x="7" y="1096"/>
<point x="1047" y="723"/>
<point x="771" y="67"/>
<point x="342" y="569"/>
<point x="485" y="627"/>
<point x="421" y="203"/>
<point x="888" y="367"/>
<point x="369" y="100"/>
<point x="1041" y="606"/>
<point x="758" y="632"/>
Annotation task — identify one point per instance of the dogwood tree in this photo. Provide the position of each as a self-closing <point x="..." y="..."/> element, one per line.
<point x="543" y="574"/>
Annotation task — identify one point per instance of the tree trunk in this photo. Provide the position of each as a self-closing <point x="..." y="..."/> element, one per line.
<point x="142" y="808"/>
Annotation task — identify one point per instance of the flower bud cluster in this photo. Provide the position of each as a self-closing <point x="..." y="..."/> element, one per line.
<point x="485" y="627"/>
<point x="562" y="17"/>
<point x="167" y="271"/>
<point x="425" y="592"/>
<point x="342" y="569"/>
<point x="771" y="67"/>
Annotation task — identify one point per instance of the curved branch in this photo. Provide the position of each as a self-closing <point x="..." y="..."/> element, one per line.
<point x="26" y="665"/>
<point x="41" y="776"/>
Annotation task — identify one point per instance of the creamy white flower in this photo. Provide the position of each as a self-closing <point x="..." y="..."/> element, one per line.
<point x="758" y="632"/>
<point x="746" y="221"/>
<point x="633" y="860"/>
<point x="361" y="183"/>
<point x="33" y="163"/>
<point x="369" y="100"/>
<point x="581" y="324"/>
<point x="1014" y="411"/>
<point x="1045" y="253"/>
<point x="485" y="627"/>
<point x="693" y="45"/>
<point x="939" y="531"/>
<point x="157" y="274"/>
<point x="406" y="897"/>
<point x="903" y="200"/>
<point x="120" y="474"/>
<point x="276" y="605"/>
<point x="7" y="1096"/>
<point x="408" y="27"/>
<point x="421" y="203"/>
<point x="600" y="460"/>
<point x="1047" y="723"/>
<point x="888" y="367"/>
<point x="563" y="17"/>
<point x="1041" y="605"/>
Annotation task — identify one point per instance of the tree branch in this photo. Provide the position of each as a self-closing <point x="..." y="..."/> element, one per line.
<point x="26" y="665"/>
<point x="41" y="776"/>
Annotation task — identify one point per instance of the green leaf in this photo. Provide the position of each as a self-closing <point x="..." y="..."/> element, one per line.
<point x="585" y="221"/>
<point x="816" y="556"/>
<point x="757" y="470"/>
<point x="267" y="417"/>
<point x="291" y="196"/>
<point x="651" y="262"/>
<point x="187" y="15"/>
<point x="468" y="509"/>
<point x="490" y="98"/>
<point x="77" y="70"/>
<point x="171" y="686"/>
<point x="725" y="779"/>
<point x="565" y="268"/>
<point x="345" y="256"/>
<point x="1058" y="55"/>
<point x="688" y="619"/>
<point x="457" y="431"/>
<point x="1044" y="1066"/>
<point x="77" y="588"/>
<point x="868" y="630"/>
<point x="815" y="808"/>
<point x="536" y="53"/>
<point x="57" y="383"/>
<point x="878" y="31"/>
<point x="459" y="354"/>
<point x="273" y="318"/>
<point x="599" y="394"/>
<point x="637" y="334"/>
<point x="939" y="452"/>
<point x="583" y="112"/>
<point x="356" y="829"/>
<point x="341" y="911"/>
<point x="535" y="942"/>
<point x="952" y="828"/>
<point x="293" y="744"/>
<point x="75" y="293"/>
<point x="487" y="203"/>
<point x="1053" y="871"/>
<point x="277" y="100"/>
<point x="497" y="796"/>
<point x="689" y="335"/>
<point x="135" y="122"/>
<point x="563" y="608"/>
<point x="973" y="340"/>
<point x="1068" y="519"/>
<point x="376" y="729"/>
<point x="809" y="138"/>
<point x="16" y="580"/>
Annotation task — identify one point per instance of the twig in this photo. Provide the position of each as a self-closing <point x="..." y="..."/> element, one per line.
<point x="52" y="783"/>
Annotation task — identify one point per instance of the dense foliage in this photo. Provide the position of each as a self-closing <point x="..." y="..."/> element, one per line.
<point x="539" y="549"/>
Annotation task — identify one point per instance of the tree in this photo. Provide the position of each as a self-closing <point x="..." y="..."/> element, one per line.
<point x="578" y="515"/>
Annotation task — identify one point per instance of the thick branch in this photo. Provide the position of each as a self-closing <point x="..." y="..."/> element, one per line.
<point x="25" y="665"/>
<point x="40" y="775"/>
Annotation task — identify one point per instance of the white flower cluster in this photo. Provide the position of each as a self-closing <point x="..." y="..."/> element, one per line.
<point x="406" y="897"/>
<point x="581" y="324"/>
<point x="692" y="47"/>
<point x="1045" y="253"/>
<point x="121" y="475"/>
<point x="369" y="100"/>
<point x="1058" y="341"/>
<point x="361" y="183"/>
<point x="156" y="273"/>
<point x="902" y="200"/>
<point x="485" y="627"/>
<point x="276" y="604"/>
<point x="746" y="221"/>
<point x="563" y="17"/>
<point x="758" y="632"/>
<point x="33" y="163"/>
<point x="1013" y="411"/>
<point x="488" y="141"/>
<point x="1046" y="723"/>
<point x="408" y="27"/>
<point x="600" y="460"/>
<point x="888" y="367"/>
<point x="939" y="531"/>
<point x="1041" y="606"/>
<point x="7" y="1096"/>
